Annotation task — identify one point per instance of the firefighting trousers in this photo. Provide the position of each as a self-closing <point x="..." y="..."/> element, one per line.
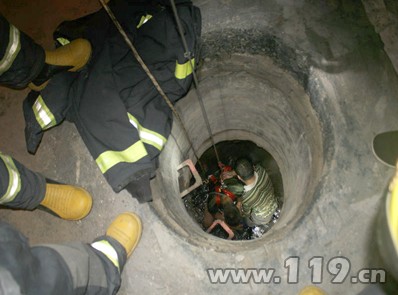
<point x="19" y="187"/>
<point x="120" y="115"/>
<point x="21" y="59"/>
<point x="73" y="268"/>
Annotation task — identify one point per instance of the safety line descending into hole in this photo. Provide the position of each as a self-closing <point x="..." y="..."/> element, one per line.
<point x="195" y="78"/>
<point x="156" y="84"/>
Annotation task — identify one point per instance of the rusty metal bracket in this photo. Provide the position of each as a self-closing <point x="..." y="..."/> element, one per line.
<point x="198" y="180"/>
<point x="224" y="226"/>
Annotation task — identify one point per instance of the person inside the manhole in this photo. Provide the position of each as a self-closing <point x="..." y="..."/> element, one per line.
<point x="223" y="201"/>
<point x="222" y="207"/>
<point x="259" y="205"/>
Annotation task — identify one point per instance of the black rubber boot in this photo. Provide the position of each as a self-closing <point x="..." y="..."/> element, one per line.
<point x="47" y="73"/>
<point x="140" y="189"/>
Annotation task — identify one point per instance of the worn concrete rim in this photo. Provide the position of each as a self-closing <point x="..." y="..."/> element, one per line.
<point x="259" y="69"/>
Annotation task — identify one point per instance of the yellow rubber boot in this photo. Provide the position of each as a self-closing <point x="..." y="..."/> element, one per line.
<point x="392" y="214"/>
<point x="70" y="57"/>
<point x="312" y="290"/>
<point x="66" y="201"/>
<point x="126" y="229"/>
<point x="76" y="54"/>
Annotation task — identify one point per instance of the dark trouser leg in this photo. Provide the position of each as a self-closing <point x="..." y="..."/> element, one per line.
<point x="19" y="186"/>
<point x="27" y="267"/>
<point x="21" y="59"/>
<point x="73" y="268"/>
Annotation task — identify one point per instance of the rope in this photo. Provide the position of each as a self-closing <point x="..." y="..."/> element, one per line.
<point x="153" y="79"/>
<point x="195" y="78"/>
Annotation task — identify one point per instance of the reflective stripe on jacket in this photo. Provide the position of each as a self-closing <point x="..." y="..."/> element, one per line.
<point x="120" y="115"/>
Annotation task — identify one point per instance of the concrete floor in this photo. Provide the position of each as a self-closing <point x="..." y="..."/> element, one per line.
<point x="362" y="98"/>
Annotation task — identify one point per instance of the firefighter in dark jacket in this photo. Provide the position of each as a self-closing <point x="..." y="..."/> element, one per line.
<point x="23" y="62"/>
<point x="70" y="268"/>
<point x="119" y="113"/>
<point x="73" y="268"/>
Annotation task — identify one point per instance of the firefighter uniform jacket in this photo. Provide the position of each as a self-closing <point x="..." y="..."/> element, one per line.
<point x="118" y="112"/>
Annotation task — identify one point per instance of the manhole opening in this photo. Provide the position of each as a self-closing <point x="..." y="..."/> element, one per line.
<point x="247" y="98"/>
<point x="200" y="202"/>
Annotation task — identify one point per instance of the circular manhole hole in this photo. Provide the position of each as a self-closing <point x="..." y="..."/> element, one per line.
<point x="247" y="99"/>
<point x="199" y="202"/>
